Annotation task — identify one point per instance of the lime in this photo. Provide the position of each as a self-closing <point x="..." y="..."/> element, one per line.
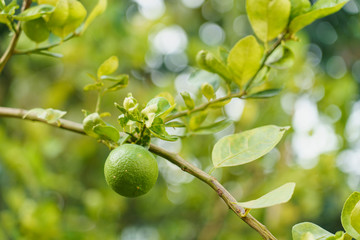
<point x="131" y="170"/>
<point x="36" y="30"/>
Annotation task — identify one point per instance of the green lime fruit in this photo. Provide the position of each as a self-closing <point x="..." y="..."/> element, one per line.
<point x="36" y="30"/>
<point x="60" y="14"/>
<point x="90" y="122"/>
<point x="131" y="170"/>
<point x="76" y="16"/>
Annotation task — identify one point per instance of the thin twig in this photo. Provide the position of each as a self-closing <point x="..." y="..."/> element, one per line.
<point x="10" y="49"/>
<point x="173" y="158"/>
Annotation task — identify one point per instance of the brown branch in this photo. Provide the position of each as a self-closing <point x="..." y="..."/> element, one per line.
<point x="229" y="200"/>
<point x="10" y="49"/>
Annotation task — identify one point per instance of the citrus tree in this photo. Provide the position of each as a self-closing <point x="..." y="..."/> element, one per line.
<point x="241" y="72"/>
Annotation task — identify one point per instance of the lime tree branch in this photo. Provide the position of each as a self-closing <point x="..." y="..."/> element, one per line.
<point x="10" y="49"/>
<point x="229" y="200"/>
<point x="234" y="95"/>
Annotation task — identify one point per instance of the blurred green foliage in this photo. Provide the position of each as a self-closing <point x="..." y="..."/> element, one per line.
<point x="52" y="184"/>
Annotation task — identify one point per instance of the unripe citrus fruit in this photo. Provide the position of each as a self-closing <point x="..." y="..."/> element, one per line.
<point x="60" y="14"/>
<point x="36" y="30"/>
<point x="131" y="170"/>
<point x="76" y="16"/>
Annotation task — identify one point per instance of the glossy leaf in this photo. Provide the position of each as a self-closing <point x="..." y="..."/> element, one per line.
<point x="278" y="196"/>
<point x="244" y="59"/>
<point x="108" y="67"/>
<point x="163" y="107"/>
<point x="268" y="18"/>
<point x="121" y="82"/>
<point x="213" y="128"/>
<point x="299" y="7"/>
<point x="107" y="132"/>
<point x="35" y="12"/>
<point x="300" y="230"/>
<point x="98" y="9"/>
<point x="349" y="206"/>
<point x="320" y="9"/>
<point x="266" y="93"/>
<point x="247" y="146"/>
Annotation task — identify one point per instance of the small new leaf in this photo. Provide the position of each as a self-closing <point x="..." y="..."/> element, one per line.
<point x="189" y="102"/>
<point x="49" y="115"/>
<point x="211" y="63"/>
<point x="108" y="67"/>
<point x="278" y="196"/>
<point x="208" y="91"/>
<point x="281" y="58"/>
<point x="247" y="146"/>
<point x="107" y="132"/>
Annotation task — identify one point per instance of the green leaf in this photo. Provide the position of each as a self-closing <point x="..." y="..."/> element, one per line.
<point x="197" y="119"/>
<point x="175" y="124"/>
<point x="93" y="86"/>
<point x="162" y="105"/>
<point x="208" y="91"/>
<point x="108" y="67"/>
<point x="275" y="197"/>
<point x="266" y="93"/>
<point x="158" y="130"/>
<point x="244" y="59"/>
<point x="268" y="18"/>
<point x="98" y="9"/>
<point x="211" y="63"/>
<point x="213" y="128"/>
<point x="199" y="77"/>
<point x="49" y="115"/>
<point x="247" y="146"/>
<point x="122" y="82"/>
<point x="300" y="230"/>
<point x="35" y="12"/>
<point x="320" y="9"/>
<point x="119" y="78"/>
<point x="299" y="7"/>
<point x="355" y="217"/>
<point x="107" y="132"/>
<point x="189" y="102"/>
<point x="349" y="206"/>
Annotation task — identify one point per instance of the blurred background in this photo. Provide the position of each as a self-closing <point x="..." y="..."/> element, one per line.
<point x="52" y="184"/>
